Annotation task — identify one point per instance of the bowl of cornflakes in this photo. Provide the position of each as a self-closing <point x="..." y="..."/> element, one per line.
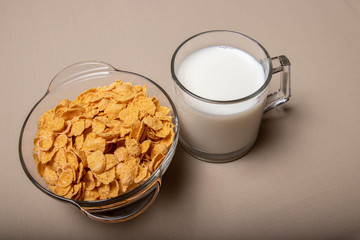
<point x="101" y="139"/>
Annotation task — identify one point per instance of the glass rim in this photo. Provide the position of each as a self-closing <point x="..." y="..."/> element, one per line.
<point x="238" y="100"/>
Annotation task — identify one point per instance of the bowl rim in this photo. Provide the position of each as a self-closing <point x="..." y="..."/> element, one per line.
<point x="137" y="191"/>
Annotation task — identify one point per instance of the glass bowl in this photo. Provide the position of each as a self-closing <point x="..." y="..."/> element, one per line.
<point x="68" y="84"/>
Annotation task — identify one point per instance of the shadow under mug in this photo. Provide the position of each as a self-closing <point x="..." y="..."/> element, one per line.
<point x="218" y="137"/>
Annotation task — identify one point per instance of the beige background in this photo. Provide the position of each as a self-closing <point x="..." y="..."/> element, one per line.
<point x="300" y="181"/>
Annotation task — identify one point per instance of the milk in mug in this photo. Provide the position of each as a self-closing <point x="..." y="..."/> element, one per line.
<point x="220" y="73"/>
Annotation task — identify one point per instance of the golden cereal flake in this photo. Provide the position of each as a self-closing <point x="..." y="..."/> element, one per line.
<point x="129" y="115"/>
<point x="107" y="176"/>
<point x="111" y="161"/>
<point x="57" y="124"/>
<point x="61" y="191"/>
<point x="50" y="176"/>
<point x="65" y="178"/>
<point x="89" y="181"/>
<point x="91" y="195"/>
<point x="61" y="141"/>
<point x="153" y="123"/>
<point x="93" y="143"/>
<point x="96" y="161"/>
<point x="77" y="128"/>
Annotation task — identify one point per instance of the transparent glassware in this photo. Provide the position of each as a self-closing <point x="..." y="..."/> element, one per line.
<point x="68" y="84"/>
<point x="225" y="130"/>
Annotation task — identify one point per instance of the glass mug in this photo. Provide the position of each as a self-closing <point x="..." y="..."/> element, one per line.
<point x="220" y="113"/>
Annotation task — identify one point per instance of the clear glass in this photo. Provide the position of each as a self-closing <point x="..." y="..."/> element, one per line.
<point x="230" y="130"/>
<point x="69" y="83"/>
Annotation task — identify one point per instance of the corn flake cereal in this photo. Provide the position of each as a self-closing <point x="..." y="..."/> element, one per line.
<point x="106" y="142"/>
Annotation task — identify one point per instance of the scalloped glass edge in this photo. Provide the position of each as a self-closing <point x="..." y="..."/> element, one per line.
<point x="157" y="173"/>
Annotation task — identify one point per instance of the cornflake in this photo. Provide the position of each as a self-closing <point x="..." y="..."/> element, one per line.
<point x="106" y="142"/>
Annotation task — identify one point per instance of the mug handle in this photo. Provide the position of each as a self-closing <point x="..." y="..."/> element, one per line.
<point x="281" y="64"/>
<point x="125" y="211"/>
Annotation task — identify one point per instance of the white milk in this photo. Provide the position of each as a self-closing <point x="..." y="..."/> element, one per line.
<point x="220" y="73"/>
